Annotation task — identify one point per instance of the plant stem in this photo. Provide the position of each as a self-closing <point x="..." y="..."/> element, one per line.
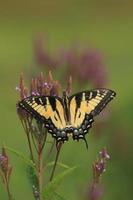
<point x="50" y="150"/>
<point x="25" y="126"/>
<point x="56" y="159"/>
<point x="7" y="188"/>
<point x="44" y="140"/>
<point x="30" y="148"/>
<point x="40" y="169"/>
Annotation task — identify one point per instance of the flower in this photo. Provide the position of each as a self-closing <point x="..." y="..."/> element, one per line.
<point x="39" y="86"/>
<point x="104" y="154"/>
<point x="99" y="166"/>
<point x="42" y="57"/>
<point x="5" y="170"/>
<point x="86" y="64"/>
<point x="96" y="190"/>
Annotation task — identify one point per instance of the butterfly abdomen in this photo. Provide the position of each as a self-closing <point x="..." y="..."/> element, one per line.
<point x="66" y="107"/>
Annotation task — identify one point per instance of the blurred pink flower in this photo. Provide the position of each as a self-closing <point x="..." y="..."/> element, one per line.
<point x="42" y="56"/>
<point x="82" y="64"/>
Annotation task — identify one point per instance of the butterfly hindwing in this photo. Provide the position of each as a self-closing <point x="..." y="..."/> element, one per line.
<point x="48" y="110"/>
<point x="84" y="106"/>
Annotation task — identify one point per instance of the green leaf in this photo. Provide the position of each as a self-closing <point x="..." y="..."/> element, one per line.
<point x="50" y="188"/>
<point x="58" y="163"/>
<point x="20" y="155"/>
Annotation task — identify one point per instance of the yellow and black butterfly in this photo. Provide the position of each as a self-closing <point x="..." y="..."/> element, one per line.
<point x="68" y="115"/>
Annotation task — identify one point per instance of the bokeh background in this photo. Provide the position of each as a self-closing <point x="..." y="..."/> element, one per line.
<point x="103" y="25"/>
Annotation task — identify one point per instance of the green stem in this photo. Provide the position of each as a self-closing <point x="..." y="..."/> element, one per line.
<point x="56" y="159"/>
<point x="40" y="169"/>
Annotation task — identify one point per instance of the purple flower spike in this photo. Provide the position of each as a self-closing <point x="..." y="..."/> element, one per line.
<point x="5" y="171"/>
<point x="5" y="168"/>
<point x="104" y="154"/>
<point x="99" y="166"/>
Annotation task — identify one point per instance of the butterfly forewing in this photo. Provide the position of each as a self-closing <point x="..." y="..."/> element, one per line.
<point x="100" y="98"/>
<point x="48" y="110"/>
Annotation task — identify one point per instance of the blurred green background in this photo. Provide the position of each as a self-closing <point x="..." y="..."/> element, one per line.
<point x="105" y="25"/>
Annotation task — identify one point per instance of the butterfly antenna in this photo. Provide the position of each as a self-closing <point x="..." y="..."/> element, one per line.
<point x="85" y="142"/>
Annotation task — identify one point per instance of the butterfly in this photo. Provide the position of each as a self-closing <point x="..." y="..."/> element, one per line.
<point x="68" y="115"/>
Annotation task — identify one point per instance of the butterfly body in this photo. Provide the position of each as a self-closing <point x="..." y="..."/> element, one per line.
<point x="68" y="115"/>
